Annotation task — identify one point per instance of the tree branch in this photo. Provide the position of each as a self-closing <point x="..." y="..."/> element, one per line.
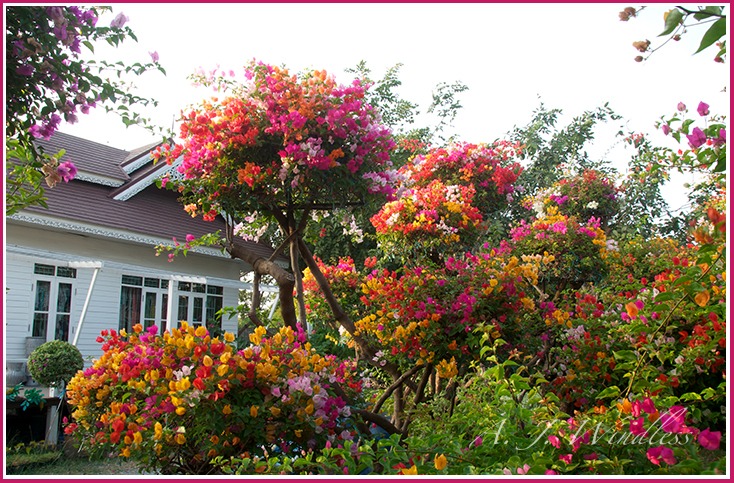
<point x="398" y="382"/>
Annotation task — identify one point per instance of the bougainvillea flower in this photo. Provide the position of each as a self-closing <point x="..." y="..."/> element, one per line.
<point x="661" y="453"/>
<point x="709" y="439"/>
<point x="697" y="138"/>
<point x="702" y="109"/>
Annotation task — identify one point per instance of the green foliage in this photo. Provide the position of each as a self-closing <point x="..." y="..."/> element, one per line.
<point x="54" y="363"/>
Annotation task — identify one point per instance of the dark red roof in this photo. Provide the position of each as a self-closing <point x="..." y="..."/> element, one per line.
<point x="151" y="212"/>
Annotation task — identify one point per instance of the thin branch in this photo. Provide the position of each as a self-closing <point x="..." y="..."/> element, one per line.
<point x="394" y="386"/>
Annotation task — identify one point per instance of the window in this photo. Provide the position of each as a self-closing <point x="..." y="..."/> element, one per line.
<point x="143" y="301"/>
<point x="198" y="305"/>
<point x="52" y="302"/>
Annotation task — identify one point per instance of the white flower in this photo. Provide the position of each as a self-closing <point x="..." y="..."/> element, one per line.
<point x="592" y="205"/>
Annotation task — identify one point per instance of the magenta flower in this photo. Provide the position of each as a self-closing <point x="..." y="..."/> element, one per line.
<point x="674" y="420"/>
<point x="478" y="441"/>
<point x="637" y="427"/>
<point x="591" y="457"/>
<point x="566" y="458"/>
<point x="703" y="109"/>
<point x="190" y="238"/>
<point x="550" y="472"/>
<point x="119" y="21"/>
<point x="697" y="138"/>
<point x="661" y="453"/>
<point x="554" y="441"/>
<point x="25" y="69"/>
<point x="67" y="171"/>
<point x="721" y="139"/>
<point x="647" y="405"/>
<point x="154" y="56"/>
<point x="709" y="439"/>
<point x="681" y="107"/>
<point x="666" y="129"/>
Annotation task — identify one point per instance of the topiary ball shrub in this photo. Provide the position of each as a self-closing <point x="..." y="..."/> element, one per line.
<point x="54" y="363"/>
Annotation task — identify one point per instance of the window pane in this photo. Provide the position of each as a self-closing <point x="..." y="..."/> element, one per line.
<point x="150" y="299"/>
<point x="213" y="305"/>
<point x="152" y="282"/>
<point x="43" y="290"/>
<point x="130" y="298"/>
<point x="184" y="286"/>
<point x="214" y="290"/>
<point x="62" y="327"/>
<point x="64" y="303"/>
<point x="198" y="309"/>
<point x="183" y="308"/>
<point x="199" y="288"/>
<point x="130" y="280"/>
<point x="164" y="284"/>
<point x="66" y="272"/>
<point x="43" y="269"/>
<point x="164" y="308"/>
<point x="40" y="321"/>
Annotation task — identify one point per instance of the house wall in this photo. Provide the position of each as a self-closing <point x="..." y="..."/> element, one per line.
<point x="27" y="245"/>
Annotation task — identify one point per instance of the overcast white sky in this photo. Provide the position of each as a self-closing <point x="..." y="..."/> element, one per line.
<point x="575" y="57"/>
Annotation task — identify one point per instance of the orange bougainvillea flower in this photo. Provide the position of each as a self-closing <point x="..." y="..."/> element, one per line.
<point x="632" y="309"/>
<point x="413" y="470"/>
<point x="625" y="407"/>
<point x="253" y="411"/>
<point x="440" y="462"/>
<point x="702" y="298"/>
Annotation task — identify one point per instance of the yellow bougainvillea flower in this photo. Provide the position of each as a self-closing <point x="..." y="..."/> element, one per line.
<point x="229" y="337"/>
<point x="413" y="470"/>
<point x="440" y="462"/>
<point x="180" y="438"/>
<point x="227" y="409"/>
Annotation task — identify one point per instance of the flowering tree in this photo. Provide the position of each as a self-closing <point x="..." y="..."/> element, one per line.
<point x="272" y="151"/>
<point x="46" y="81"/>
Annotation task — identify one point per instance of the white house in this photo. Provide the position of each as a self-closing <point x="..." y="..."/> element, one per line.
<point x="88" y="263"/>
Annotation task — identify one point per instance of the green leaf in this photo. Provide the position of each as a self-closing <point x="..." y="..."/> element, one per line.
<point x="672" y="21"/>
<point x="610" y="392"/>
<point x="625" y="355"/>
<point x="664" y="297"/>
<point x="714" y="33"/>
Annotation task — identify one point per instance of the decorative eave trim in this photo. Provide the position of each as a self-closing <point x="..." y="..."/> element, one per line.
<point x="97" y="179"/>
<point x="143" y="183"/>
<point x="105" y="232"/>
<point x="141" y="161"/>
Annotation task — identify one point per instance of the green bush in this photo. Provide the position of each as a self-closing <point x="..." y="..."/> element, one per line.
<point x="54" y="363"/>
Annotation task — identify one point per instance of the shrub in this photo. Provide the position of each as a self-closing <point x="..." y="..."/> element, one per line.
<point x="54" y="363"/>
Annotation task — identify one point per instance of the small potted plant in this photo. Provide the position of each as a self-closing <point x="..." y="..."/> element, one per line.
<point x="54" y="363"/>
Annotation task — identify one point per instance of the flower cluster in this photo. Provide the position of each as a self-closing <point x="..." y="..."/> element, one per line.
<point x="435" y="215"/>
<point x="578" y="249"/>
<point x="282" y="133"/>
<point x="177" y="401"/>
<point x="487" y="168"/>
<point x="429" y="315"/>
<point x="589" y="194"/>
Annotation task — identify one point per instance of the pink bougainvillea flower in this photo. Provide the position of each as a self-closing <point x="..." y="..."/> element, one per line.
<point x="119" y="21"/>
<point x="566" y="458"/>
<point x="591" y="457"/>
<point x="190" y="238"/>
<point x="553" y="440"/>
<point x="648" y="406"/>
<point x="26" y="70"/>
<point x="697" y="138"/>
<point x="721" y="139"/>
<point x="524" y="470"/>
<point x="681" y="107"/>
<point x="661" y="453"/>
<point x="154" y="56"/>
<point x="67" y="171"/>
<point x="674" y="420"/>
<point x="703" y="109"/>
<point x="637" y="427"/>
<point x="709" y="439"/>
<point x="666" y="129"/>
<point x="550" y="472"/>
